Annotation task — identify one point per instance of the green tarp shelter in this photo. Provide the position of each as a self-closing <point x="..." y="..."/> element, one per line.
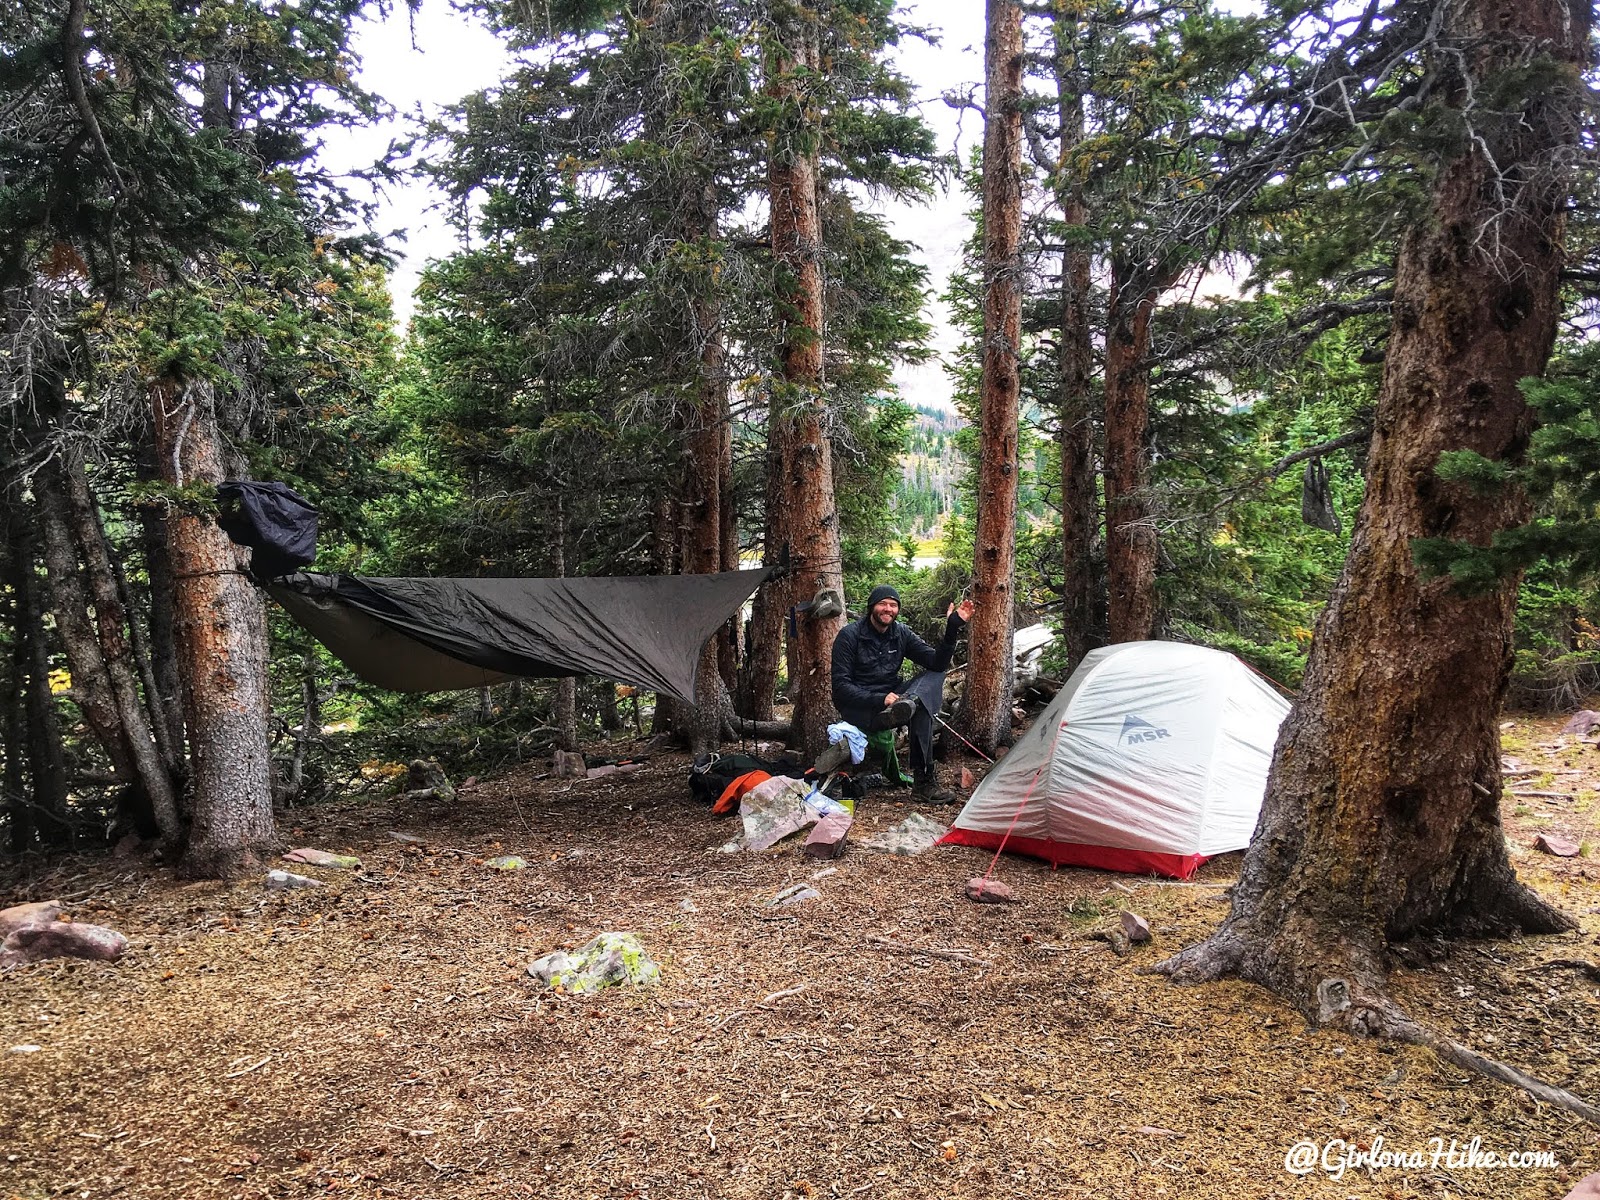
<point x="429" y="635"/>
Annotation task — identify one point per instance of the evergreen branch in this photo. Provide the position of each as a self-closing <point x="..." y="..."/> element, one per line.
<point x="72" y="70"/>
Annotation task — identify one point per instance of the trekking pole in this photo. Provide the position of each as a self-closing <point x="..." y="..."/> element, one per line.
<point x="964" y="741"/>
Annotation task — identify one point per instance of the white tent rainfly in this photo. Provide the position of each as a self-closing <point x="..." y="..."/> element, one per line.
<point x="1152" y="758"/>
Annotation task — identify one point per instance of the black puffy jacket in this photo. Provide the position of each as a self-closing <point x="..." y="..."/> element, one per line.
<point x="866" y="663"/>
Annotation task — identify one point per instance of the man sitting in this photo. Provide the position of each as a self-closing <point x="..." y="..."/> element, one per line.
<point x="867" y="657"/>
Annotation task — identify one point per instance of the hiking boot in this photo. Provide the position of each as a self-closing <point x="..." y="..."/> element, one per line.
<point x="900" y="713"/>
<point x="928" y="790"/>
<point x="834" y="757"/>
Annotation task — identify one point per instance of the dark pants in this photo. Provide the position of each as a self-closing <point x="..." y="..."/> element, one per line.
<point x="927" y="689"/>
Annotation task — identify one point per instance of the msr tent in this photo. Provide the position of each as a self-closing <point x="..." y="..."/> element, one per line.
<point x="1152" y="758"/>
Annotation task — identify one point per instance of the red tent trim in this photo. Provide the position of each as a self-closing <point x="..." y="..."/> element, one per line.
<point x="1077" y="854"/>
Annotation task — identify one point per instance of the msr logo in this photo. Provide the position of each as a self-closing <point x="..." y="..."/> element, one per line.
<point x="1137" y="729"/>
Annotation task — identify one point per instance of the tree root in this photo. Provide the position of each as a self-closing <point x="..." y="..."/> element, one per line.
<point x="1365" y="1015"/>
<point x="1394" y="1024"/>
<point x="1206" y="962"/>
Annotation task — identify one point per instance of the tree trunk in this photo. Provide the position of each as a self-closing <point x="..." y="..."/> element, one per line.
<point x="15" y="772"/>
<point x="1131" y="542"/>
<point x="16" y="767"/>
<point x="728" y="647"/>
<point x="767" y="610"/>
<point x="111" y="626"/>
<point x="567" y="686"/>
<point x="292" y="783"/>
<point x="1382" y="815"/>
<point x="1079" y="509"/>
<point x="217" y="621"/>
<point x="799" y="403"/>
<point x="167" y="700"/>
<point x="664" y="557"/>
<point x="38" y="740"/>
<point x="92" y="691"/>
<point x="702" y="491"/>
<point x="986" y="705"/>
<point x="171" y="748"/>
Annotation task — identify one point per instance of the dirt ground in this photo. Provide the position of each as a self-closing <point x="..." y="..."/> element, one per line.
<point x="381" y="1037"/>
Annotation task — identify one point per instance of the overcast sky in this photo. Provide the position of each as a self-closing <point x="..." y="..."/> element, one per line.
<point x="419" y="65"/>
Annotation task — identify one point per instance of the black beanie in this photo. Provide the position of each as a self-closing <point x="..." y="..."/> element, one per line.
<point x="882" y="592"/>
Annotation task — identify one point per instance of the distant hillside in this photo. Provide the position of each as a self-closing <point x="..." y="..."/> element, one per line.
<point x="928" y="473"/>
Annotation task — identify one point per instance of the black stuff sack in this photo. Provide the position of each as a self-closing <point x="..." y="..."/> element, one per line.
<point x="272" y="520"/>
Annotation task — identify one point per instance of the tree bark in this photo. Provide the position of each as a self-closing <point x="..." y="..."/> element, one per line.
<point x="1079" y="506"/>
<point x="567" y="686"/>
<point x="14" y="758"/>
<point x="167" y="700"/>
<point x="91" y="691"/>
<point x="799" y="403"/>
<point x="16" y="766"/>
<point x="1131" y="542"/>
<point x="112" y="622"/>
<point x="1382" y="814"/>
<point x="702" y="495"/>
<point x="767" y="610"/>
<point x="38" y="739"/>
<point x="291" y="784"/>
<point x="664" y="556"/>
<point x="170" y="747"/>
<point x="218" y="624"/>
<point x="728" y="640"/>
<point x="985" y="717"/>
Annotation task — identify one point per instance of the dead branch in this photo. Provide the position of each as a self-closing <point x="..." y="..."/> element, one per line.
<point x="929" y="951"/>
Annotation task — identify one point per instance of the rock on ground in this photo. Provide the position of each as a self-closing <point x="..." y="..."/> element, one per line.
<point x="989" y="891"/>
<point x="1135" y="926"/>
<point x="914" y="835"/>
<point x="610" y="959"/>
<point x="62" y="939"/>
<point x="283" y="880"/>
<point x="567" y="764"/>
<point x="828" y="838"/>
<point x="426" y="780"/>
<point x="774" y="810"/>
<point x="323" y="858"/>
<point x="19" y="916"/>
<point x="1561" y="847"/>
<point x="1582" y="722"/>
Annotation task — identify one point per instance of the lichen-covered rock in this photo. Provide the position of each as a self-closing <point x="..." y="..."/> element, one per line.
<point x="64" y="939"/>
<point x="608" y="960"/>
<point x="323" y="858"/>
<point x="42" y="912"/>
<point x="567" y="764"/>
<point x="1582" y="722"/>
<point x="426" y="780"/>
<point x="506" y="862"/>
<point x="285" y="880"/>
<point x="773" y="810"/>
<point x="915" y="835"/>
